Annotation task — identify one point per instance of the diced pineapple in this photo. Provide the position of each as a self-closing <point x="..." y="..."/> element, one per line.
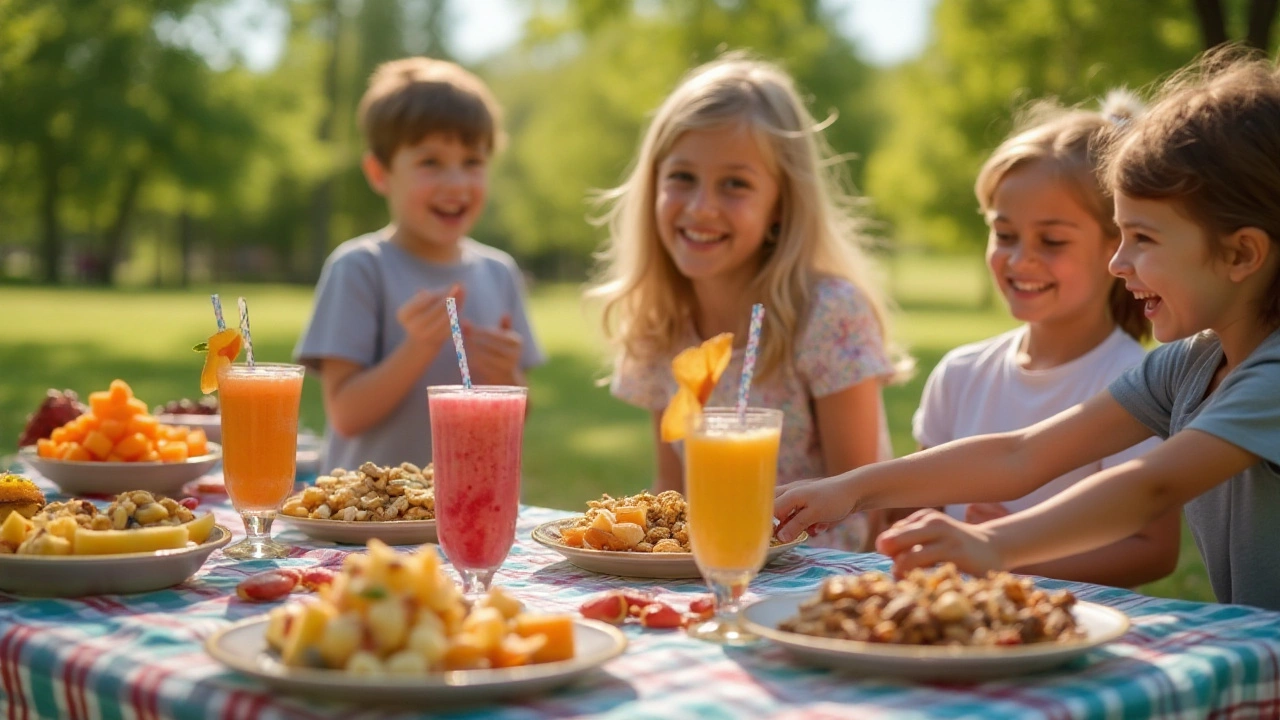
<point x="305" y="633"/>
<point x="114" y="542"/>
<point x="15" y="529"/>
<point x="199" y="529"/>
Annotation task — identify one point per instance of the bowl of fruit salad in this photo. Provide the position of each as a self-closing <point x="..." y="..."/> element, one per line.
<point x="199" y="414"/>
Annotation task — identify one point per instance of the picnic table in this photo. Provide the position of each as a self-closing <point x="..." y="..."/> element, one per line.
<point x="141" y="656"/>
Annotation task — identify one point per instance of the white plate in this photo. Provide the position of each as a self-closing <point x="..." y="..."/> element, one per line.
<point x="110" y="478"/>
<point x="243" y="648"/>
<point x="930" y="662"/>
<point x="80" y="575"/>
<point x="210" y="424"/>
<point x="662" y="566"/>
<point x="351" y="532"/>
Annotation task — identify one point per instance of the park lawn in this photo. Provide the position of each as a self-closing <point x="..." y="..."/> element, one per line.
<point x="580" y="441"/>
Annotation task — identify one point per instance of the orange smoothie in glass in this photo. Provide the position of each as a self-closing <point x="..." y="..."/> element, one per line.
<point x="730" y="473"/>
<point x="259" y="407"/>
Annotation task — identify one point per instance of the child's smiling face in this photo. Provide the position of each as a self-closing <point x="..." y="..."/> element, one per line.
<point x="716" y="198"/>
<point x="436" y="189"/>
<point x="1046" y="252"/>
<point x="1165" y="260"/>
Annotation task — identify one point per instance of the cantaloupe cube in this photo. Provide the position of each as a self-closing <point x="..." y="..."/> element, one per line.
<point x="173" y="452"/>
<point x="73" y="432"/>
<point x="114" y="429"/>
<point x="132" y="446"/>
<point x="197" y="443"/>
<point x="144" y="425"/>
<point x="558" y="629"/>
<point x="136" y="406"/>
<point x="59" y="435"/>
<point x="75" y="452"/>
<point x="632" y="514"/>
<point x="120" y="392"/>
<point x="46" y="448"/>
<point x="97" y="444"/>
<point x="572" y="536"/>
<point x="151" y="456"/>
<point x="100" y="403"/>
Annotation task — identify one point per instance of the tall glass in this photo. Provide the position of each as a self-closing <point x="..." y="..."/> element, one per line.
<point x="730" y="470"/>
<point x="476" y="437"/>
<point x="259" y="408"/>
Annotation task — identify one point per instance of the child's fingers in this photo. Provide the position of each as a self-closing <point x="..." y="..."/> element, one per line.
<point x="921" y="528"/>
<point x="794" y="514"/>
<point x="923" y="556"/>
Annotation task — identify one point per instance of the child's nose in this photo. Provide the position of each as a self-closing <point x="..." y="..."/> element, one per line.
<point x="701" y="203"/>
<point x="1119" y="264"/>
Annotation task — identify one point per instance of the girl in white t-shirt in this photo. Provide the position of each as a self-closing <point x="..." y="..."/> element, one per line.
<point x="1052" y="235"/>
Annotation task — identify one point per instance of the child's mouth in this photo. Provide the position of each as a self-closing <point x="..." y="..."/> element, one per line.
<point x="1030" y="288"/>
<point x="1151" y="302"/>
<point x="450" y="215"/>
<point x="702" y="239"/>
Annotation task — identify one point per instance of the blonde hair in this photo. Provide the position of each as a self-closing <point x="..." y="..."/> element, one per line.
<point x="646" y="299"/>
<point x="410" y="98"/>
<point x="1068" y="141"/>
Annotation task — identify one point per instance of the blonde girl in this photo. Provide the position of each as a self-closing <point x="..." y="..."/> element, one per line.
<point x="1052" y="234"/>
<point x="732" y="201"/>
<point x="1194" y="183"/>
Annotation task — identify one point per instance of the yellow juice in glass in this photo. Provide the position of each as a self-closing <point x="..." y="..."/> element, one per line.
<point x="730" y="473"/>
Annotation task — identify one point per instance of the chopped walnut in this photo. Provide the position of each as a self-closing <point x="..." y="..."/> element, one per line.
<point x="371" y="494"/>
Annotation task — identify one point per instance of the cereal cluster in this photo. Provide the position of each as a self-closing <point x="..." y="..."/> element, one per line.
<point x="372" y="493"/>
<point x="937" y="607"/>
<point x="638" y="523"/>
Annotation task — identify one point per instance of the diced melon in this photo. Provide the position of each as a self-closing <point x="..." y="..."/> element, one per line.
<point x="133" y="446"/>
<point x="59" y="435"/>
<point x="120" y="392"/>
<point x="572" y="536"/>
<point x="14" y="530"/>
<point x="46" y="448"/>
<point x="144" y="425"/>
<point x="135" y="407"/>
<point x="558" y="629"/>
<point x="304" y="633"/>
<point x="100" y="403"/>
<point x="197" y="443"/>
<point x="114" y="429"/>
<point x="115" y="542"/>
<point x="632" y="514"/>
<point x="98" y="445"/>
<point x="75" y="452"/>
<point x="198" y="530"/>
<point x="174" y="452"/>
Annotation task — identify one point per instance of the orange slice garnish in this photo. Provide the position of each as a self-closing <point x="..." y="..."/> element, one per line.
<point x="697" y="370"/>
<point x="223" y="348"/>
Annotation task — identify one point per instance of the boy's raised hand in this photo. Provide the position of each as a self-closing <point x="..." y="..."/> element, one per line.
<point x="809" y="505"/>
<point x="929" y="537"/>
<point x="978" y="513"/>
<point x="494" y="353"/>
<point x="425" y="318"/>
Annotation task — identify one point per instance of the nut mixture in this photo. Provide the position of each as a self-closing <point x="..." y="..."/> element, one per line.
<point x="134" y="509"/>
<point x="937" y="607"/>
<point x="665" y="530"/>
<point x="372" y="493"/>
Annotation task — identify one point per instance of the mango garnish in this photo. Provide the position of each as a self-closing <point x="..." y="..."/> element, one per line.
<point x="222" y="349"/>
<point x="697" y="370"/>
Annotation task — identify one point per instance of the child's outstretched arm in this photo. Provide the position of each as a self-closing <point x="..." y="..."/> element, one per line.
<point x="986" y="468"/>
<point x="1102" y="509"/>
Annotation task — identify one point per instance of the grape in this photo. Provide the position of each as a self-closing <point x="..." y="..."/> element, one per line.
<point x="58" y="408"/>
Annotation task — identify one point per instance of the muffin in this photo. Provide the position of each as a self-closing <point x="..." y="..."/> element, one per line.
<point x="20" y="495"/>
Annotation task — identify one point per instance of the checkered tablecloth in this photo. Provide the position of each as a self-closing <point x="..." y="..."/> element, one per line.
<point x="141" y="656"/>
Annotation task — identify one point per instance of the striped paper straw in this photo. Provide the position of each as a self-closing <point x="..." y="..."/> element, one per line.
<point x="749" y="361"/>
<point x="244" y="330"/>
<point x="456" y="328"/>
<point x="217" y="311"/>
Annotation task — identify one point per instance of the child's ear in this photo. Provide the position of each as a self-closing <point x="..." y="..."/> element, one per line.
<point x="375" y="172"/>
<point x="1248" y="251"/>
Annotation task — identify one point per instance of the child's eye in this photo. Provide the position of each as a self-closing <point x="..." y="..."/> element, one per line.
<point x="1053" y="242"/>
<point x="428" y="162"/>
<point x="737" y="184"/>
<point x="1004" y="238"/>
<point x="680" y="176"/>
<point x="1140" y="238"/>
<point x="473" y="162"/>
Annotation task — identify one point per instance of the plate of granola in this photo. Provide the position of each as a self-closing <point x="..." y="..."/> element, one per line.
<point x="935" y="625"/>
<point x="641" y="535"/>
<point x="394" y="504"/>
<point x="140" y="543"/>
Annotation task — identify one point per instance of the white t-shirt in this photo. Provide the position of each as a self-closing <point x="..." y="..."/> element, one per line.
<point x="980" y="388"/>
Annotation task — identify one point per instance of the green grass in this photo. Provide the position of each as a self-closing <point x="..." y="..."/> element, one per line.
<point x="580" y="441"/>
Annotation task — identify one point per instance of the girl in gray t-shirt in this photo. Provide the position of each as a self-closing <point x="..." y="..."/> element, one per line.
<point x="1194" y="184"/>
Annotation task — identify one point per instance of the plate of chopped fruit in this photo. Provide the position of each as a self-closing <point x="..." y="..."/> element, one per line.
<point x="935" y="625"/>
<point x="370" y="641"/>
<point x="394" y="504"/>
<point x="140" y="542"/>
<point x="641" y="535"/>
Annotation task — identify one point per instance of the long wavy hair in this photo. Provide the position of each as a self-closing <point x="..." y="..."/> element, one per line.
<point x="647" y="302"/>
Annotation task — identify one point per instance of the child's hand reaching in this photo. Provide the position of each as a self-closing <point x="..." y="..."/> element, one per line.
<point x="809" y="505"/>
<point x="494" y="353"/>
<point x="425" y="318"/>
<point x="929" y="537"/>
<point x="978" y="513"/>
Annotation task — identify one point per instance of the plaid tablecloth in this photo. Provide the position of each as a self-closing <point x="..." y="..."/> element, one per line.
<point x="141" y="656"/>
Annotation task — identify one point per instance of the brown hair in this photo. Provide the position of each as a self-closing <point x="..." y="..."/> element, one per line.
<point x="1211" y="144"/>
<point x="1067" y="140"/>
<point x="410" y="98"/>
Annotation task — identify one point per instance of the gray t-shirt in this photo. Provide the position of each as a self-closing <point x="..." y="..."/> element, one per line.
<point x="363" y="283"/>
<point x="1237" y="523"/>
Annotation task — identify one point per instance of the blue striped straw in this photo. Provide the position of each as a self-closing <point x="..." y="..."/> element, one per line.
<point x="456" y="328"/>
<point x="217" y="311"/>
<point x="244" y="330"/>
<point x="749" y="361"/>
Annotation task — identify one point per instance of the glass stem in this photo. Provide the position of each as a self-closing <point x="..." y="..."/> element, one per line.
<point x="729" y="599"/>
<point x="257" y="526"/>
<point x="475" y="583"/>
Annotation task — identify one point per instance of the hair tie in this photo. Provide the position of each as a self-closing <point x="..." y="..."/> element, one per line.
<point x="1118" y="120"/>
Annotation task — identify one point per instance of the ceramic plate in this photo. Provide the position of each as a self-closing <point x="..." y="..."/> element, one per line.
<point x="243" y="648"/>
<point x="663" y="566"/>
<point x="210" y="424"/>
<point x="110" y="478"/>
<point x="79" y="575"/>
<point x="351" y="532"/>
<point x="926" y="662"/>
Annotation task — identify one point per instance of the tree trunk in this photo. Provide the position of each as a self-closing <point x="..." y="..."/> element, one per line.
<point x="185" y="231"/>
<point x="51" y="232"/>
<point x="1213" y="25"/>
<point x="113" y="241"/>
<point x="321" y="210"/>
<point x="1262" y="17"/>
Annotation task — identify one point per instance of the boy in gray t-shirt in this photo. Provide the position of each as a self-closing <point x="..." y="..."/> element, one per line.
<point x="379" y="333"/>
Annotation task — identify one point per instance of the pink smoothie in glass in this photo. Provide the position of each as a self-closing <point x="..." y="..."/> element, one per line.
<point x="476" y="439"/>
